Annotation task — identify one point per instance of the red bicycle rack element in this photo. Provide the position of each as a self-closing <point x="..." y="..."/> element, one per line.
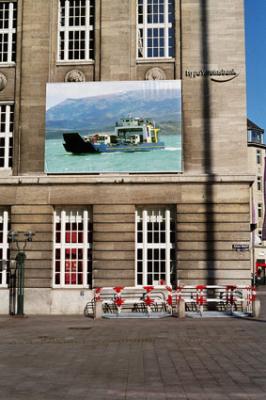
<point x="178" y="293"/>
<point x="118" y="289"/>
<point x="251" y="297"/>
<point x="148" y="288"/>
<point x="148" y="301"/>
<point x="200" y="298"/>
<point x="169" y="300"/>
<point x="253" y="293"/>
<point x="119" y="301"/>
<point x="230" y="294"/>
<point x="97" y="293"/>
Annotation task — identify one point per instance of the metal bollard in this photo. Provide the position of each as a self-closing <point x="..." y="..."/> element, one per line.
<point x="181" y="311"/>
<point x="98" y="310"/>
<point x="256" y="309"/>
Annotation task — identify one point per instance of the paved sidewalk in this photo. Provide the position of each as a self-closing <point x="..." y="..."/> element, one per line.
<point x="76" y="358"/>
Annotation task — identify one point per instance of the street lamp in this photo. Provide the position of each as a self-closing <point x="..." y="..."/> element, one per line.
<point x="20" y="265"/>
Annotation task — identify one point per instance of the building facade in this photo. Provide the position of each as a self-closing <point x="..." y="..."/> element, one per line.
<point x="129" y="229"/>
<point x="256" y="160"/>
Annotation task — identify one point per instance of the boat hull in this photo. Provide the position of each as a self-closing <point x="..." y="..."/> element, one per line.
<point x="74" y="143"/>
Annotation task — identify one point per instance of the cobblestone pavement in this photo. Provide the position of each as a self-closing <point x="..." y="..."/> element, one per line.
<point x="77" y="358"/>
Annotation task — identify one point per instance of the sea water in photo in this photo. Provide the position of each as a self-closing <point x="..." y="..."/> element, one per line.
<point x="165" y="160"/>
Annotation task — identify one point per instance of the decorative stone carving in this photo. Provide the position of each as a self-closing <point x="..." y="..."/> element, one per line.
<point x="75" y="76"/>
<point x="3" y="81"/>
<point x="155" y="74"/>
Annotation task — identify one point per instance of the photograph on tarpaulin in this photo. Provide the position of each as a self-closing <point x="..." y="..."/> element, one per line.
<point x="112" y="127"/>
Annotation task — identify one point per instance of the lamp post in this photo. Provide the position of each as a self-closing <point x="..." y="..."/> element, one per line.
<point x="20" y="265"/>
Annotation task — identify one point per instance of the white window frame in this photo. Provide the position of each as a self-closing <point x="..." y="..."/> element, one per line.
<point x="260" y="210"/>
<point x="166" y="25"/>
<point x="7" y="134"/>
<point x="87" y="28"/>
<point x="10" y="31"/>
<point x="144" y="246"/>
<point x="4" y="245"/>
<point x="258" y="157"/>
<point x="64" y="216"/>
<point x="259" y="183"/>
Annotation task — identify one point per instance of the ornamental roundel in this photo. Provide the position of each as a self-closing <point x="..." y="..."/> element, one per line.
<point x="155" y="74"/>
<point x="75" y="76"/>
<point x="3" y="81"/>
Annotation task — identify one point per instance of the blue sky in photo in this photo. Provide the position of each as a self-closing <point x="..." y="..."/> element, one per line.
<point x="255" y="15"/>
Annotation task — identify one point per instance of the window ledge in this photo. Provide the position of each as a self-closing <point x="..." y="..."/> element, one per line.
<point x="7" y="65"/>
<point x="5" y="171"/>
<point x="154" y="60"/>
<point x="54" y="287"/>
<point x="74" y="63"/>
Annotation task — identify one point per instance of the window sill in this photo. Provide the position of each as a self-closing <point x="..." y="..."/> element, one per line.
<point x="81" y="287"/>
<point x="5" y="171"/>
<point x="74" y="63"/>
<point x="7" y="65"/>
<point x="154" y="60"/>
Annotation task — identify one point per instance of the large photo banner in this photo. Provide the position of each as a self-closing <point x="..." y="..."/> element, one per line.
<point x="112" y="127"/>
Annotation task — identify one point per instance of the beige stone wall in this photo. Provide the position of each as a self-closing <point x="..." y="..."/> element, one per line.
<point x="209" y="35"/>
<point x="205" y="238"/>
<point x="211" y="197"/>
<point x="205" y="231"/>
<point x="214" y="113"/>
<point x="113" y="245"/>
<point x="37" y="218"/>
<point x="32" y="73"/>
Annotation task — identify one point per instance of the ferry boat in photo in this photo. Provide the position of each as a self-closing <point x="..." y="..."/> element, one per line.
<point x="130" y="135"/>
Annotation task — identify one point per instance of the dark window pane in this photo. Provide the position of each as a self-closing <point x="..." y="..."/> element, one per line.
<point x="140" y="267"/>
<point x="140" y="237"/>
<point x="149" y="266"/>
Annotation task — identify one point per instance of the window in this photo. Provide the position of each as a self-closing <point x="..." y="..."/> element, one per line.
<point x="4" y="247"/>
<point x="155" y="29"/>
<point x="258" y="157"/>
<point x="255" y="136"/>
<point x="155" y="250"/>
<point x="259" y="183"/>
<point x="72" y="248"/>
<point x="8" y="18"/>
<point x="6" y="135"/>
<point x="260" y="210"/>
<point x="76" y="30"/>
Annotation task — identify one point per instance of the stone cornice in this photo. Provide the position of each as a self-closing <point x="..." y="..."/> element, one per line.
<point x="124" y="179"/>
